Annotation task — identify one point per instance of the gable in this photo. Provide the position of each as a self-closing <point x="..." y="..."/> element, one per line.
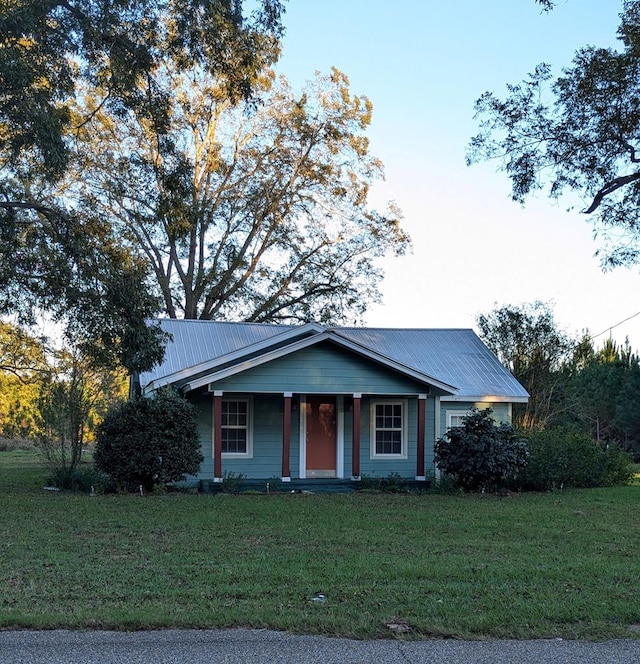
<point x="322" y="368"/>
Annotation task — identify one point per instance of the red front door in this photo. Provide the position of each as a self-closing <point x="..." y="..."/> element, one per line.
<point x="321" y="436"/>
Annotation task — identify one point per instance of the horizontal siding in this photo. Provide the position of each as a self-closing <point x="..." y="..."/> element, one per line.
<point x="321" y="369"/>
<point x="267" y="439"/>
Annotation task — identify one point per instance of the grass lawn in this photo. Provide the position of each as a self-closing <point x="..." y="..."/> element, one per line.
<point x="537" y="565"/>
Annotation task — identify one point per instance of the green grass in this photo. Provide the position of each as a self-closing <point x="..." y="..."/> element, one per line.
<point x="539" y="565"/>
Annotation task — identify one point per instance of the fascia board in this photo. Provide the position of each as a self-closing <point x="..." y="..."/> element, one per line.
<point x="310" y="341"/>
<point x="237" y="355"/>
<point x="486" y="397"/>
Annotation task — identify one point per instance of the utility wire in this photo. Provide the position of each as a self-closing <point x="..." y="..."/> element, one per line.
<point x="593" y="336"/>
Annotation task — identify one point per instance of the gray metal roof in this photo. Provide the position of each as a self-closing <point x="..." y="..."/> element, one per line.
<point x="452" y="356"/>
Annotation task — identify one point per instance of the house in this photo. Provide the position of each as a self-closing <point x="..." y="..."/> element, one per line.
<point x="310" y="402"/>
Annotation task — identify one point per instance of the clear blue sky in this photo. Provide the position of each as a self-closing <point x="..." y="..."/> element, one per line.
<point x="423" y="63"/>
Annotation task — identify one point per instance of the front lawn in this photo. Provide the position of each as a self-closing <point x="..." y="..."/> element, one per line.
<point x="535" y="565"/>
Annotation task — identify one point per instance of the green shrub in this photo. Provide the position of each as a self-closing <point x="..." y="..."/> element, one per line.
<point x="149" y="442"/>
<point x="565" y="457"/>
<point x="82" y="479"/>
<point x="232" y="482"/>
<point x="481" y="454"/>
<point x="392" y="483"/>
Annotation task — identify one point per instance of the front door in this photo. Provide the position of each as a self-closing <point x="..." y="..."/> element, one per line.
<point x="321" y="436"/>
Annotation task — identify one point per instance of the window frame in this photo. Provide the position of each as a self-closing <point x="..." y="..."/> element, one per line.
<point x="249" y="429"/>
<point x="404" y="414"/>
<point x="455" y="413"/>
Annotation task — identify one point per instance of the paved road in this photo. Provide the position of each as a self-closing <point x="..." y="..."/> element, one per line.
<point x="239" y="646"/>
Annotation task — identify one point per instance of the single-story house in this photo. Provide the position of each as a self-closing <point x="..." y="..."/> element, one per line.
<point x="301" y="402"/>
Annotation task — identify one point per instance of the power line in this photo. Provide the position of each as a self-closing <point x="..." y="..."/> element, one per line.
<point x="611" y="327"/>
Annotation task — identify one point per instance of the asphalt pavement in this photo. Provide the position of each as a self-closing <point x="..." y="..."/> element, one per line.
<point x="239" y="646"/>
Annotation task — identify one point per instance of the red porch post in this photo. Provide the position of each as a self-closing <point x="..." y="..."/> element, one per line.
<point x="286" y="438"/>
<point x="355" y="447"/>
<point x="217" y="436"/>
<point x="422" y="400"/>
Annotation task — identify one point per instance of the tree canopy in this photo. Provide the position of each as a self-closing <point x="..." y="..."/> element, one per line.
<point x="527" y="340"/>
<point x="51" y="257"/>
<point x="576" y="133"/>
<point x="49" y="47"/>
<point x="244" y="214"/>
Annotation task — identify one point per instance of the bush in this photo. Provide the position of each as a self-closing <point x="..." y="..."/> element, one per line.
<point x="392" y="483"/>
<point x="565" y="457"/>
<point x="82" y="479"/>
<point x="481" y="454"/>
<point x="149" y="442"/>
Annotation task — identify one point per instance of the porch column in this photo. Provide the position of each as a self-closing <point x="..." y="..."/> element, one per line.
<point x="217" y="437"/>
<point x="355" y="447"/>
<point x="286" y="438"/>
<point x="422" y="401"/>
<point x="436" y="428"/>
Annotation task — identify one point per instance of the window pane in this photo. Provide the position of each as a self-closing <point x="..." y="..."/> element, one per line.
<point x="388" y="442"/>
<point x="235" y="426"/>
<point x="234" y="441"/>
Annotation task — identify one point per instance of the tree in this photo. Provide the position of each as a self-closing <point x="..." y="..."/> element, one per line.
<point x="257" y="215"/>
<point x="23" y="366"/>
<point x="600" y="393"/>
<point x="51" y="258"/>
<point x="21" y="355"/>
<point x="73" y="399"/>
<point x="627" y="416"/>
<point x="48" y="48"/>
<point x="527" y="341"/>
<point x="149" y="442"/>
<point x="578" y="133"/>
<point x="481" y="454"/>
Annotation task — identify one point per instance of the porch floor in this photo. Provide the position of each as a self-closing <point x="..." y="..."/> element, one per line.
<point x="314" y="485"/>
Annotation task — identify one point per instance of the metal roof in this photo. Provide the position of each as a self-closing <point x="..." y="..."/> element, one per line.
<point x="454" y="357"/>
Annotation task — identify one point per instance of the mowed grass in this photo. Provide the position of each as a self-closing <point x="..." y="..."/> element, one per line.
<point x="538" y="565"/>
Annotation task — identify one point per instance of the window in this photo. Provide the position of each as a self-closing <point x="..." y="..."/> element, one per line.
<point x="455" y="417"/>
<point x="388" y="429"/>
<point x="236" y="430"/>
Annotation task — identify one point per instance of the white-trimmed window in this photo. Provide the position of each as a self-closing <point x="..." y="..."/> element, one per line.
<point x="455" y="418"/>
<point x="236" y="436"/>
<point x="389" y="429"/>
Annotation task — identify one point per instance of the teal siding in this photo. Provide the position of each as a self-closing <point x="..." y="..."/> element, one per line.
<point x="267" y="414"/>
<point x="321" y="369"/>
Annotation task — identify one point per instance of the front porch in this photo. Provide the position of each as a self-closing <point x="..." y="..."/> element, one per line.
<point x="320" y="439"/>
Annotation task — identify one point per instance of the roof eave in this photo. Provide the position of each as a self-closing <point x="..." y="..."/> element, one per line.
<point x="237" y="355"/>
<point x="491" y="398"/>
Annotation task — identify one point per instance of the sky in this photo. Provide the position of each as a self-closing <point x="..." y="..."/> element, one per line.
<point x="423" y="63"/>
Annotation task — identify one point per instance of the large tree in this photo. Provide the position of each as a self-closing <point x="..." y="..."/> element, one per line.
<point x="51" y="257"/>
<point x="49" y="47"/>
<point x="578" y="133"/>
<point x="526" y="339"/>
<point x="256" y="213"/>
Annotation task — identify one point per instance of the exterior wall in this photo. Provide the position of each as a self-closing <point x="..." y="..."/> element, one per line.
<point x="266" y="461"/>
<point x="321" y="369"/>
<point x="325" y="370"/>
